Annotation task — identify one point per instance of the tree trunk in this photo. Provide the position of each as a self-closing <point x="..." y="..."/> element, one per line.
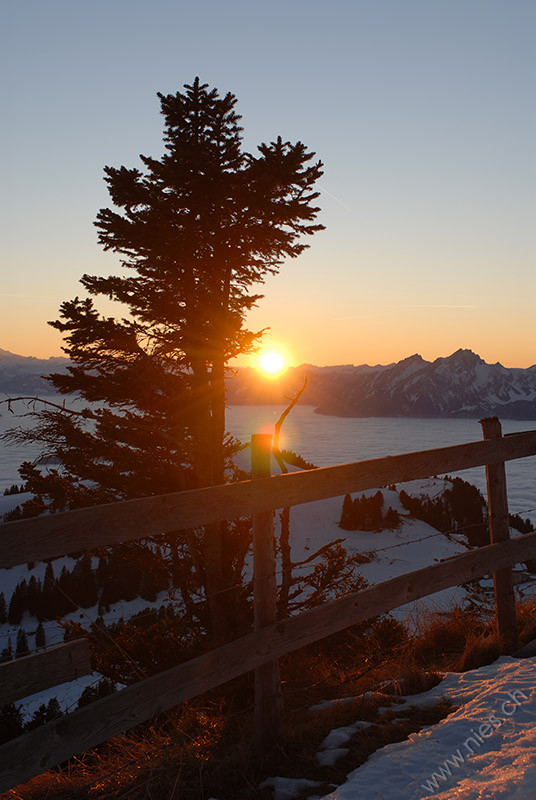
<point x="218" y="417"/>
<point x="206" y="472"/>
<point x="286" y="564"/>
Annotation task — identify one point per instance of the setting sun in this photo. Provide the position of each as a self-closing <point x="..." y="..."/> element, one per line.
<point x="271" y="364"/>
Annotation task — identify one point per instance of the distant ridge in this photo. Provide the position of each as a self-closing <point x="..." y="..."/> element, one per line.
<point x="459" y="385"/>
<point x="23" y="374"/>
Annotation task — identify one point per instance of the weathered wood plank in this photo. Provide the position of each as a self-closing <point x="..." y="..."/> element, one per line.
<point x="499" y="526"/>
<point x="45" y="747"/>
<point x="267" y="677"/>
<point x="87" y="528"/>
<point x="24" y="676"/>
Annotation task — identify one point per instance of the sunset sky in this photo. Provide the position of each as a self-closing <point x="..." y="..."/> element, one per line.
<point x="421" y="110"/>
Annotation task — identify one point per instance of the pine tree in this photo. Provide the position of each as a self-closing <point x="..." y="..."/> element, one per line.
<point x="7" y="652"/>
<point x="92" y="693"/>
<point x="84" y="583"/>
<point x="11" y="724"/>
<point x="33" y="596"/>
<point x="391" y="519"/>
<point x="346" y="521"/>
<point x="63" y="599"/>
<point x="18" y="603"/>
<point x="40" y="638"/>
<point x="50" y="606"/>
<point x="22" y="648"/>
<point x="45" y="713"/>
<point x="197" y="228"/>
<point x="3" y="609"/>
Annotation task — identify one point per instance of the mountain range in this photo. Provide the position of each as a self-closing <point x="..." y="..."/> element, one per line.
<point x="460" y="385"/>
<point x="24" y="374"/>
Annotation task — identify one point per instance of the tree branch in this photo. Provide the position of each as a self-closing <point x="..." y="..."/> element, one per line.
<point x="9" y="400"/>
<point x="277" y="428"/>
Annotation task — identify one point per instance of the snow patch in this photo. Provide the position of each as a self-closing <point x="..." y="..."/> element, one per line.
<point x="482" y="751"/>
<point x="285" y="788"/>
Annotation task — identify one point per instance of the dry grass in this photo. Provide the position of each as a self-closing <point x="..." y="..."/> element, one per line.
<point x="526" y="620"/>
<point x="219" y="761"/>
<point x="446" y="641"/>
<point x="205" y="750"/>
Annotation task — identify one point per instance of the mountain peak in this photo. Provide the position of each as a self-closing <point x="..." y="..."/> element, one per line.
<point x="465" y="357"/>
<point x="416" y="358"/>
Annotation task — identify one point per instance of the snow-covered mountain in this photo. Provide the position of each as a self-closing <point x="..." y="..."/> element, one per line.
<point x="24" y="374"/>
<point x="461" y="385"/>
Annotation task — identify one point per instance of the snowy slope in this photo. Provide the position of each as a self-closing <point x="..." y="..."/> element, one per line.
<point x="392" y="552"/>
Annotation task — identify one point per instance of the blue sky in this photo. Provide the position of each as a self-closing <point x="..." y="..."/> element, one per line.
<point x="422" y="111"/>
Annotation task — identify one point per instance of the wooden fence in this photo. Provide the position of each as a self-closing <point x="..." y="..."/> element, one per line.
<point x="84" y="529"/>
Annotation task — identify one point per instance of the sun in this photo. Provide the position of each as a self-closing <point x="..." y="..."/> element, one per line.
<point x="271" y="364"/>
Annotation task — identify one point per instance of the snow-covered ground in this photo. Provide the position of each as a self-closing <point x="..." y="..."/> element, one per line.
<point x="392" y="552"/>
<point x="69" y="693"/>
<point x="413" y="545"/>
<point x="406" y="767"/>
<point x="484" y="750"/>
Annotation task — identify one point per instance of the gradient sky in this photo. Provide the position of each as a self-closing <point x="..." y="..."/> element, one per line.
<point x="422" y="111"/>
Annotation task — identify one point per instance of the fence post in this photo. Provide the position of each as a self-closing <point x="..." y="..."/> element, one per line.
<point x="499" y="525"/>
<point x="267" y="678"/>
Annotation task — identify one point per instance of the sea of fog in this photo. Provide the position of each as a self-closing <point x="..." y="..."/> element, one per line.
<point x="326" y="441"/>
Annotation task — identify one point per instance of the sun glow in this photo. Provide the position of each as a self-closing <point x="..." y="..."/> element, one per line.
<point x="271" y="364"/>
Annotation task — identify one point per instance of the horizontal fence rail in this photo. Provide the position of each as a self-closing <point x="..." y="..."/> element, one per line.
<point x="85" y="529"/>
<point x="49" y="745"/>
<point x="33" y="673"/>
<point x="97" y="526"/>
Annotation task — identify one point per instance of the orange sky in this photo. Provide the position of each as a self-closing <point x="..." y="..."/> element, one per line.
<point x="420" y="112"/>
<point x="373" y="335"/>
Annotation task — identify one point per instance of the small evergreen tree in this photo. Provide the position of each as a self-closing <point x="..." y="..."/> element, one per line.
<point x="7" y="652"/>
<point x="66" y="589"/>
<point x="3" y="609"/>
<point x="22" y="648"/>
<point x="84" y="585"/>
<point x="391" y="519"/>
<point x="40" y="638"/>
<point x="18" y="603"/>
<point x="45" y="713"/>
<point x="33" y="596"/>
<point x="346" y="521"/>
<point x="92" y="693"/>
<point x="11" y="724"/>
<point x="49" y="597"/>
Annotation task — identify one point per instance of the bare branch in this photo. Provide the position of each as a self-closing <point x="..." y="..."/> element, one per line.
<point x="321" y="550"/>
<point x="277" y="428"/>
<point x="86" y="413"/>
